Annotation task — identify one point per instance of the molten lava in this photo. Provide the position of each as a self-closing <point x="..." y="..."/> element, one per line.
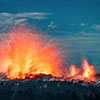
<point x="27" y="53"/>
<point x="24" y="53"/>
<point x="74" y="70"/>
<point x="89" y="71"/>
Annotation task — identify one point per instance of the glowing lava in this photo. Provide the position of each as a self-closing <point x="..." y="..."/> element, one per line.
<point x="89" y="71"/>
<point x="27" y="52"/>
<point x="74" y="70"/>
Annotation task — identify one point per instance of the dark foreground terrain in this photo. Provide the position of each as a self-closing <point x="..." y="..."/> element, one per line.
<point x="32" y="89"/>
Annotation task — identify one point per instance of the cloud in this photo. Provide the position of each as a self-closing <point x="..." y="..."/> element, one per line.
<point x="19" y="21"/>
<point x="52" y="25"/>
<point x="7" y="19"/>
<point x="90" y="34"/>
<point x="96" y="27"/>
<point x="82" y="24"/>
<point x="34" y="15"/>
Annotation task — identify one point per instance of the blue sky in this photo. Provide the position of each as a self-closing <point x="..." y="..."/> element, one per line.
<point x="74" y="23"/>
<point x="69" y="15"/>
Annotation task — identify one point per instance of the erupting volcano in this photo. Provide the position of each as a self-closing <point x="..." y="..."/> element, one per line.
<point x="26" y="53"/>
<point x="88" y="72"/>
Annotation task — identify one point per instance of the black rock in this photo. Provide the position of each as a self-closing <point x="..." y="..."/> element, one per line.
<point x="34" y="89"/>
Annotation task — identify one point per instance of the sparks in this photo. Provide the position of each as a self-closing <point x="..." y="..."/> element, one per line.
<point x="28" y="52"/>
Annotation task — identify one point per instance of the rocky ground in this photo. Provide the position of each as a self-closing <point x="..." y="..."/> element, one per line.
<point x="39" y="89"/>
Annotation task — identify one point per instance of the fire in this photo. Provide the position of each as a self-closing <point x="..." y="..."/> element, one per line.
<point x="74" y="70"/>
<point x="89" y="71"/>
<point x="27" y="53"/>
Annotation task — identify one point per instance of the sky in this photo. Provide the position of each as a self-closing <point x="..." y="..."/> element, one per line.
<point x="67" y="15"/>
<point x="74" y="23"/>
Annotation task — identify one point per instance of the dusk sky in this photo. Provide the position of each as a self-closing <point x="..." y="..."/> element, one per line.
<point x="74" y="23"/>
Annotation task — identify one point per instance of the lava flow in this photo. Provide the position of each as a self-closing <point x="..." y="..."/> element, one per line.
<point x="26" y="53"/>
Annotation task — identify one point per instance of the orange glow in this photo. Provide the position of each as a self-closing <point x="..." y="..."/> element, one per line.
<point x="87" y="74"/>
<point x="27" y="53"/>
<point x="88" y="71"/>
<point x="74" y="70"/>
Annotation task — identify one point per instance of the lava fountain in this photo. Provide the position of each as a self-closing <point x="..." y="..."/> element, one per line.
<point x="74" y="70"/>
<point x="89" y="71"/>
<point x="27" y="53"/>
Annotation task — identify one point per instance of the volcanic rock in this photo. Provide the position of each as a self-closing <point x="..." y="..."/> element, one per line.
<point x="34" y="89"/>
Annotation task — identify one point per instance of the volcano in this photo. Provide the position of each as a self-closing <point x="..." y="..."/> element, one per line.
<point x="32" y="68"/>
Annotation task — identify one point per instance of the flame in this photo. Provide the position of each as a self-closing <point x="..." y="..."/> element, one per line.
<point x="89" y="71"/>
<point x="74" y="70"/>
<point x="27" y="53"/>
